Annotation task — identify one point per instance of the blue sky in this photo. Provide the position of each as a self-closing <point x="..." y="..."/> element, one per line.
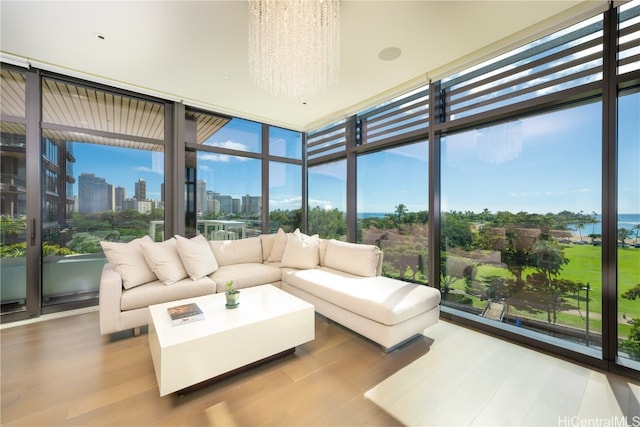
<point x="556" y="166"/>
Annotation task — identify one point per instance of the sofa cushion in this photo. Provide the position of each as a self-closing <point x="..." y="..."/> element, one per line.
<point x="196" y="256"/>
<point x="127" y="259"/>
<point x="382" y="299"/>
<point x="157" y="292"/>
<point x="323" y="250"/>
<point x="301" y="251"/>
<point x="358" y="259"/>
<point x="164" y="260"/>
<point x="245" y="275"/>
<point x="267" y="244"/>
<point x="279" y="243"/>
<point x="228" y="252"/>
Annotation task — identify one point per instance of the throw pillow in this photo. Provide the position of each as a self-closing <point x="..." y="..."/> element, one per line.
<point x="164" y="260"/>
<point x="241" y="251"/>
<point x="196" y="255"/>
<point x="279" y="243"/>
<point x="301" y="252"/>
<point x="358" y="259"/>
<point x="128" y="260"/>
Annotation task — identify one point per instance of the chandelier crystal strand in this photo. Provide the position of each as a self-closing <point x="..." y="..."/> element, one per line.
<point x="294" y="46"/>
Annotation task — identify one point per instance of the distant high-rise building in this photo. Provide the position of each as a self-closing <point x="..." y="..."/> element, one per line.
<point x="225" y="204"/>
<point x="93" y="193"/>
<point x="145" y="206"/>
<point x="141" y="190"/>
<point x="162" y="192"/>
<point x="236" y="206"/>
<point x="215" y="206"/>
<point x="251" y="205"/>
<point x="201" y="196"/>
<point x="120" y="196"/>
<point x="130" y="204"/>
<point x="111" y="197"/>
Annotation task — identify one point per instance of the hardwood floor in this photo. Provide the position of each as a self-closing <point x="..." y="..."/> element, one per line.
<point x="469" y="378"/>
<point x="62" y="372"/>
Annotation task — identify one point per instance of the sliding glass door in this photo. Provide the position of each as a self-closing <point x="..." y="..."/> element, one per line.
<point x="102" y="167"/>
<point x="13" y="190"/>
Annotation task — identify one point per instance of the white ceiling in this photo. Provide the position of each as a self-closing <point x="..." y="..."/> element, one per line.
<point x="196" y="51"/>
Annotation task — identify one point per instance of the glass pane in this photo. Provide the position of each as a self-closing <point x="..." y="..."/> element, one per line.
<point x="285" y="143"/>
<point x="520" y="205"/>
<point x="237" y="134"/>
<point x="95" y="187"/>
<point x="228" y="196"/>
<point x="85" y="200"/>
<point x="629" y="229"/>
<point x="327" y="187"/>
<point x="393" y="202"/>
<point x="13" y="216"/>
<point x="285" y="196"/>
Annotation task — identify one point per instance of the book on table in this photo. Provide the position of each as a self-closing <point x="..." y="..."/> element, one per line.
<point x="185" y="313"/>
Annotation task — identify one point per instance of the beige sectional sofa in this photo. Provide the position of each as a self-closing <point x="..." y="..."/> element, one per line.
<point x="342" y="280"/>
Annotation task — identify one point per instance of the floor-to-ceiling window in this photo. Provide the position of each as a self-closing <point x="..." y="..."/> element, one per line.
<point x="102" y="168"/>
<point x="285" y="179"/>
<point x="13" y="192"/>
<point x="392" y="185"/>
<point x="327" y="182"/>
<point x="227" y="190"/>
<point x="518" y="233"/>
<point x="628" y="226"/>
<point x="393" y="211"/>
<point x="628" y="187"/>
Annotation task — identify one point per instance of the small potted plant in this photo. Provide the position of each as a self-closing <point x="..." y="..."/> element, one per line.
<point x="233" y="295"/>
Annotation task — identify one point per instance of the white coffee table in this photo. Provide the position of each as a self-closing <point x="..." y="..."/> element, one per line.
<point x="267" y="322"/>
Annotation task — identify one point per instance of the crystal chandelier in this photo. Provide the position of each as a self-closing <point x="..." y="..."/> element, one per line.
<point x="294" y="46"/>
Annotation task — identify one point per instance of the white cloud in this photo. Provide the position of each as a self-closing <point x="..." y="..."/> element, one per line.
<point x="214" y="157"/>
<point x="232" y="145"/>
<point x="148" y="170"/>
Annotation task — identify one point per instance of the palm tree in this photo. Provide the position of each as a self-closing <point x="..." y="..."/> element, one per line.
<point x="636" y="228"/>
<point x="400" y="211"/>
<point x="623" y="234"/>
<point x="549" y="260"/>
<point x="579" y="227"/>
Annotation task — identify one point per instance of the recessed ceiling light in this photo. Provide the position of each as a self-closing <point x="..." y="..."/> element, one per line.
<point x="390" y="53"/>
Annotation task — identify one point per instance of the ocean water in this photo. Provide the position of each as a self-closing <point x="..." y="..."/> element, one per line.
<point x="627" y="221"/>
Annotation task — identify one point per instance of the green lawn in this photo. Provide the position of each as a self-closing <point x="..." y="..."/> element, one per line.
<point x="585" y="267"/>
